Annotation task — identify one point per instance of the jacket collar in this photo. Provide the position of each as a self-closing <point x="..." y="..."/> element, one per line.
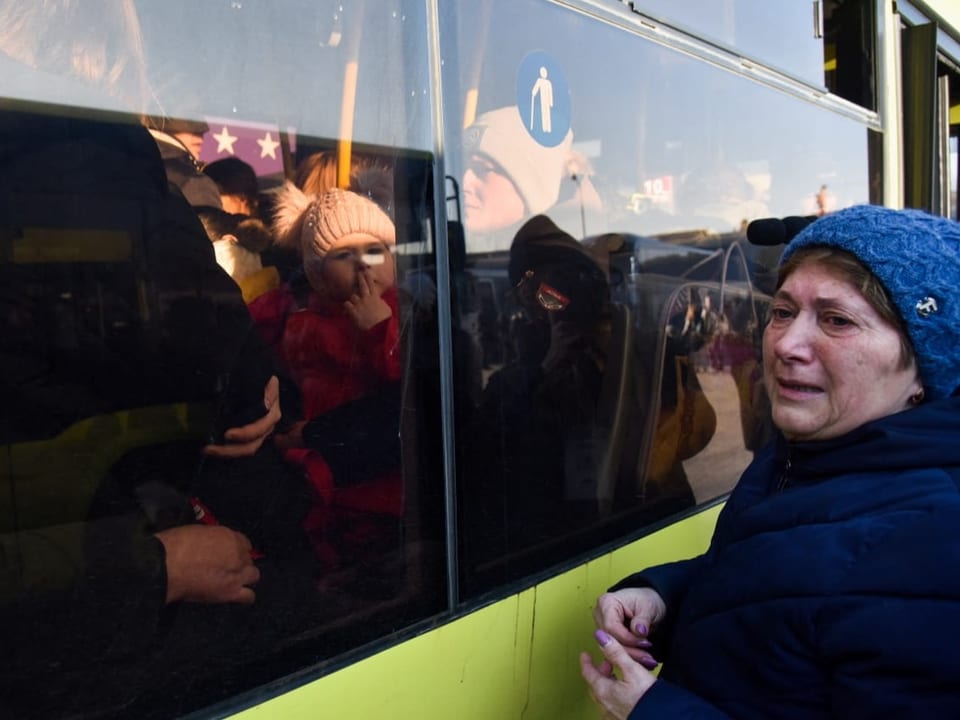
<point x="925" y="436"/>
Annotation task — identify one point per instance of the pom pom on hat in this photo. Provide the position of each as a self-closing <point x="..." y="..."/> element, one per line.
<point x="916" y="256"/>
<point x="535" y="170"/>
<point x="336" y="218"/>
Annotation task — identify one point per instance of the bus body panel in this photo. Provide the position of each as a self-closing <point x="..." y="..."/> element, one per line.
<point x="515" y="658"/>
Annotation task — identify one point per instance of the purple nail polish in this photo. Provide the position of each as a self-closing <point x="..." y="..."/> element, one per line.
<point x="602" y="638"/>
<point x="644" y="644"/>
<point x="640" y="629"/>
<point x="648" y="662"/>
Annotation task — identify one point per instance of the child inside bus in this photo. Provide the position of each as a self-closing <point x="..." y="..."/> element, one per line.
<point x="338" y="344"/>
<point x="316" y="175"/>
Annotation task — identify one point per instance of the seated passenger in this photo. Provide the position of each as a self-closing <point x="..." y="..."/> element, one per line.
<point x="238" y="241"/>
<point x="238" y="186"/>
<point x="125" y="350"/>
<point x="104" y="566"/>
<point x="179" y="142"/>
<point x="340" y="342"/>
<point x="317" y="174"/>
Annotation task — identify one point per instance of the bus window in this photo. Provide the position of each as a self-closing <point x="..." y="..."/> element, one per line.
<point x="141" y="575"/>
<point x="788" y="37"/>
<point x="230" y="445"/>
<point x="647" y="401"/>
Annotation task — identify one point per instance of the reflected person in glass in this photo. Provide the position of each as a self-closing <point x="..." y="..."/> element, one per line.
<point x="509" y="177"/>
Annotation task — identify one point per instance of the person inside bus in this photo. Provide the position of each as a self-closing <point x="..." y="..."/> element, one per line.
<point x="340" y="343"/>
<point x="89" y="594"/>
<point x="179" y="141"/>
<point x="238" y="241"/>
<point x="238" y="186"/>
<point x="315" y="175"/>
<point x="510" y="177"/>
<point x="828" y="589"/>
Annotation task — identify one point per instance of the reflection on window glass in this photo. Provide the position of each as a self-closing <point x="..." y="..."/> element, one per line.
<point x="221" y="430"/>
<point x="780" y="34"/>
<point x="607" y="289"/>
<point x="849" y="46"/>
<point x="954" y="162"/>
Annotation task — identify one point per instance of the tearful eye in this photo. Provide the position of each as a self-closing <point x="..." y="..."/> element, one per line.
<point x="837" y="321"/>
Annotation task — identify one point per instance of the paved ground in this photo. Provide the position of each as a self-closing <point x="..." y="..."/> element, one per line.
<point x="715" y="469"/>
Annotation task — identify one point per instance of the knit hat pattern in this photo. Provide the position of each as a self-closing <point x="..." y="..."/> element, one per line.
<point x="916" y="256"/>
<point x="535" y="170"/>
<point x="339" y="216"/>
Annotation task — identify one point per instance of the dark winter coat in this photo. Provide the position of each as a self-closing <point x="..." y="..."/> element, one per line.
<point x="184" y="172"/>
<point x="125" y="349"/>
<point x="830" y="587"/>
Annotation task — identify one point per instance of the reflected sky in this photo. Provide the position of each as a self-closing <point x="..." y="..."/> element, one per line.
<point x="776" y="33"/>
<point x="672" y="143"/>
<point x="665" y="142"/>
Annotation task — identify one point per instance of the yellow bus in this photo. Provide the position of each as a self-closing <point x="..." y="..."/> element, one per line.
<point x="578" y="312"/>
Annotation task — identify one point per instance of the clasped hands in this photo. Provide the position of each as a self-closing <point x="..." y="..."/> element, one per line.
<point x="624" y="621"/>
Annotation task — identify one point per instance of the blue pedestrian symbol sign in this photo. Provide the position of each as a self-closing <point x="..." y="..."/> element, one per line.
<point x="543" y="98"/>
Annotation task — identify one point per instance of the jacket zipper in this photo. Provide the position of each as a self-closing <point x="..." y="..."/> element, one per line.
<point x="784" y="477"/>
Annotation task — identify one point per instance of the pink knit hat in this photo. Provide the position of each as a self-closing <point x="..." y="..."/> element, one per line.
<point x="334" y="219"/>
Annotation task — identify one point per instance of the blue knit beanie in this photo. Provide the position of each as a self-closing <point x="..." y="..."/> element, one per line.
<point x="916" y="256"/>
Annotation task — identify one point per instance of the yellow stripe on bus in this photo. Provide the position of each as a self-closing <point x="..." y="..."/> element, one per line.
<point x="490" y="664"/>
<point x="70" y="245"/>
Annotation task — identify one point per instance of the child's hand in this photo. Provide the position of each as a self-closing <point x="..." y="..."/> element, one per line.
<point x="366" y="308"/>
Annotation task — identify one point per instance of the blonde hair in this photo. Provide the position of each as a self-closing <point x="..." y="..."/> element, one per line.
<point x="317" y="173"/>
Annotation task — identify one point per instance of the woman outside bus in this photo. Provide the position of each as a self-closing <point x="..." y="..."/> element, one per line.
<point x="827" y="589"/>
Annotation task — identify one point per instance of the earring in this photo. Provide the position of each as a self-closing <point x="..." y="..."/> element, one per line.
<point x="917" y="397"/>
